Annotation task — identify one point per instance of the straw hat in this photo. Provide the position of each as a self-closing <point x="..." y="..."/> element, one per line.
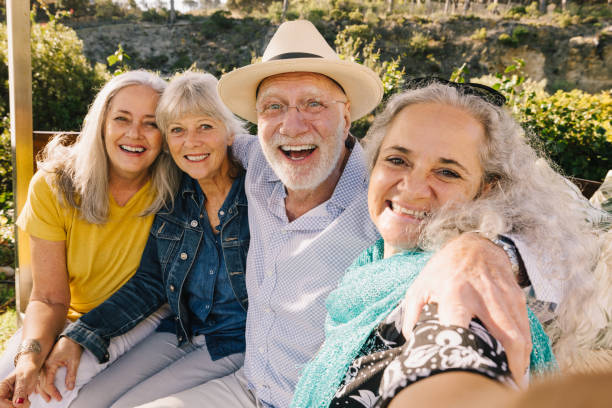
<point x="297" y="46"/>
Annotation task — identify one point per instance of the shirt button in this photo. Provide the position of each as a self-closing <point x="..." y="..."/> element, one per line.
<point x="269" y="273"/>
<point x="211" y="272"/>
<point x="194" y="223"/>
<point x="267" y="309"/>
<point x="176" y="318"/>
<point x="183" y="255"/>
<point x="180" y="338"/>
<point x="208" y="306"/>
<point x="171" y="288"/>
<point x="261" y="350"/>
<point x="222" y="212"/>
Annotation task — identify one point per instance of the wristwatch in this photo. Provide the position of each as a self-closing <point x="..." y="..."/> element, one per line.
<point x="27" y="346"/>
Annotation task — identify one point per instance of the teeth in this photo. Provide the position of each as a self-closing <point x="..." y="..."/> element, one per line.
<point x="298" y="148"/>
<point x="414" y="213"/>
<point x="132" y="149"/>
<point x="198" y="157"/>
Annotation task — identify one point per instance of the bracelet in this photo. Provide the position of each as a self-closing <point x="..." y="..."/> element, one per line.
<point x="510" y="250"/>
<point x="27" y="346"/>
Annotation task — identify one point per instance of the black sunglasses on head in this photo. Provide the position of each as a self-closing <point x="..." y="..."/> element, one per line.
<point x="485" y="92"/>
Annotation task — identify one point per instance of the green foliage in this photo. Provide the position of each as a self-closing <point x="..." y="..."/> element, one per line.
<point x="249" y="6"/>
<point x="480" y="34"/>
<point x="459" y="74"/>
<point x="158" y="16"/>
<point x="222" y="19"/>
<point x="8" y="326"/>
<point x="516" y="12"/>
<point x="519" y="36"/>
<point x="574" y="128"/>
<point x="355" y="48"/>
<point x="419" y="43"/>
<point x="107" y="9"/>
<point x="510" y="85"/>
<point x="7" y="240"/>
<point x="119" y="59"/>
<point x="566" y="19"/>
<point x="315" y="15"/>
<point x="63" y="82"/>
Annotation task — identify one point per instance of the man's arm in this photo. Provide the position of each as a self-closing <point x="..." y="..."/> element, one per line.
<point x="472" y="277"/>
<point x="242" y="146"/>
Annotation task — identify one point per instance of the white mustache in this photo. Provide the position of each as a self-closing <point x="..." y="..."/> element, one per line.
<point x="280" y="140"/>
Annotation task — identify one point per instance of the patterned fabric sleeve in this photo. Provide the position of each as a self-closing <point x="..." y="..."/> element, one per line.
<point x="388" y="362"/>
<point x="434" y="348"/>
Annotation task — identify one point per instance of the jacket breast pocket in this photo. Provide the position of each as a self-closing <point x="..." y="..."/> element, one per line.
<point x="168" y="236"/>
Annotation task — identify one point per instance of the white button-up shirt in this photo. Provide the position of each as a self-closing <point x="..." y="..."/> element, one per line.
<point x="292" y="267"/>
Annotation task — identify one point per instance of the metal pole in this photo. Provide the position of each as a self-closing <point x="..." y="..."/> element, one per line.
<point x="20" y="91"/>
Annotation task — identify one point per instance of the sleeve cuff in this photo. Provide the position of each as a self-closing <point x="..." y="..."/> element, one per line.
<point x="87" y="338"/>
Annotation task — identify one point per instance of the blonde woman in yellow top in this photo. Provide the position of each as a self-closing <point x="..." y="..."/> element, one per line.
<point x="88" y="214"/>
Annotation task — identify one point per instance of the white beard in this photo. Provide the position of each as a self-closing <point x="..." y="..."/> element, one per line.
<point x="305" y="177"/>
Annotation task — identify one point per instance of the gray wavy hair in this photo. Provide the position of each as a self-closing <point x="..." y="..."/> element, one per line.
<point x="82" y="168"/>
<point x="527" y="198"/>
<point x="193" y="92"/>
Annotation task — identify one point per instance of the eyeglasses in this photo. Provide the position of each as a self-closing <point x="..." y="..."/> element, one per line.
<point x="485" y="92"/>
<point x="310" y="108"/>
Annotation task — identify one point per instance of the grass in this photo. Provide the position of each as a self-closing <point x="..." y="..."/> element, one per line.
<point x="8" y="315"/>
<point x="8" y="326"/>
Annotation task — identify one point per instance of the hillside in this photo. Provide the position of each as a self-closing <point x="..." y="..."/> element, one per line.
<point x="576" y="56"/>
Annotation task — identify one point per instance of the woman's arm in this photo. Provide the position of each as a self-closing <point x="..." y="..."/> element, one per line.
<point x="453" y="389"/>
<point x="45" y="315"/>
<point x="138" y="298"/>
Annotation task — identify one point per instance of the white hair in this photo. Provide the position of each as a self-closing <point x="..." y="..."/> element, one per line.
<point x="82" y="168"/>
<point x="527" y="198"/>
<point x="196" y="93"/>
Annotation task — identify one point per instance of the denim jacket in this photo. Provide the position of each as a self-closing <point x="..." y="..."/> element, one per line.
<point x="167" y="260"/>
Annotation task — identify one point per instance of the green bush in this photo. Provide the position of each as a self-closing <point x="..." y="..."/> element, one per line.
<point x="575" y="128"/>
<point x="516" y="12"/>
<point x="419" y="43"/>
<point x="157" y="16"/>
<point x="63" y="81"/>
<point x="519" y="36"/>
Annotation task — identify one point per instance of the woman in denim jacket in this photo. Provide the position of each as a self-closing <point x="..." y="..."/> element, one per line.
<point x="194" y="260"/>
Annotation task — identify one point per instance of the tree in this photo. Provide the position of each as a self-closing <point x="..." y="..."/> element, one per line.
<point x="543" y="6"/>
<point x="390" y="4"/>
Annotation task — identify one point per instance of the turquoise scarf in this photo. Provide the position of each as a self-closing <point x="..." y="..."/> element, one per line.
<point x="371" y="288"/>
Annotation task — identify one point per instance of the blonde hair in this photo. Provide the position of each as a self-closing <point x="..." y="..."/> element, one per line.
<point x="527" y="198"/>
<point x="82" y="168"/>
<point x="196" y="93"/>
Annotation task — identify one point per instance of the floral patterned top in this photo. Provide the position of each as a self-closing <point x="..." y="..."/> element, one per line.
<point x="388" y="363"/>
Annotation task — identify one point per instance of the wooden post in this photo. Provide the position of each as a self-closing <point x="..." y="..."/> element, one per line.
<point x="20" y="91"/>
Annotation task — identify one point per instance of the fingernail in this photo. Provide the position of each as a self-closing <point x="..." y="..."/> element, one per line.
<point x="19" y="401"/>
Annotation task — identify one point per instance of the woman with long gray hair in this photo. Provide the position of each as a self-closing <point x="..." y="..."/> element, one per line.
<point x="447" y="159"/>
<point x="89" y="209"/>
